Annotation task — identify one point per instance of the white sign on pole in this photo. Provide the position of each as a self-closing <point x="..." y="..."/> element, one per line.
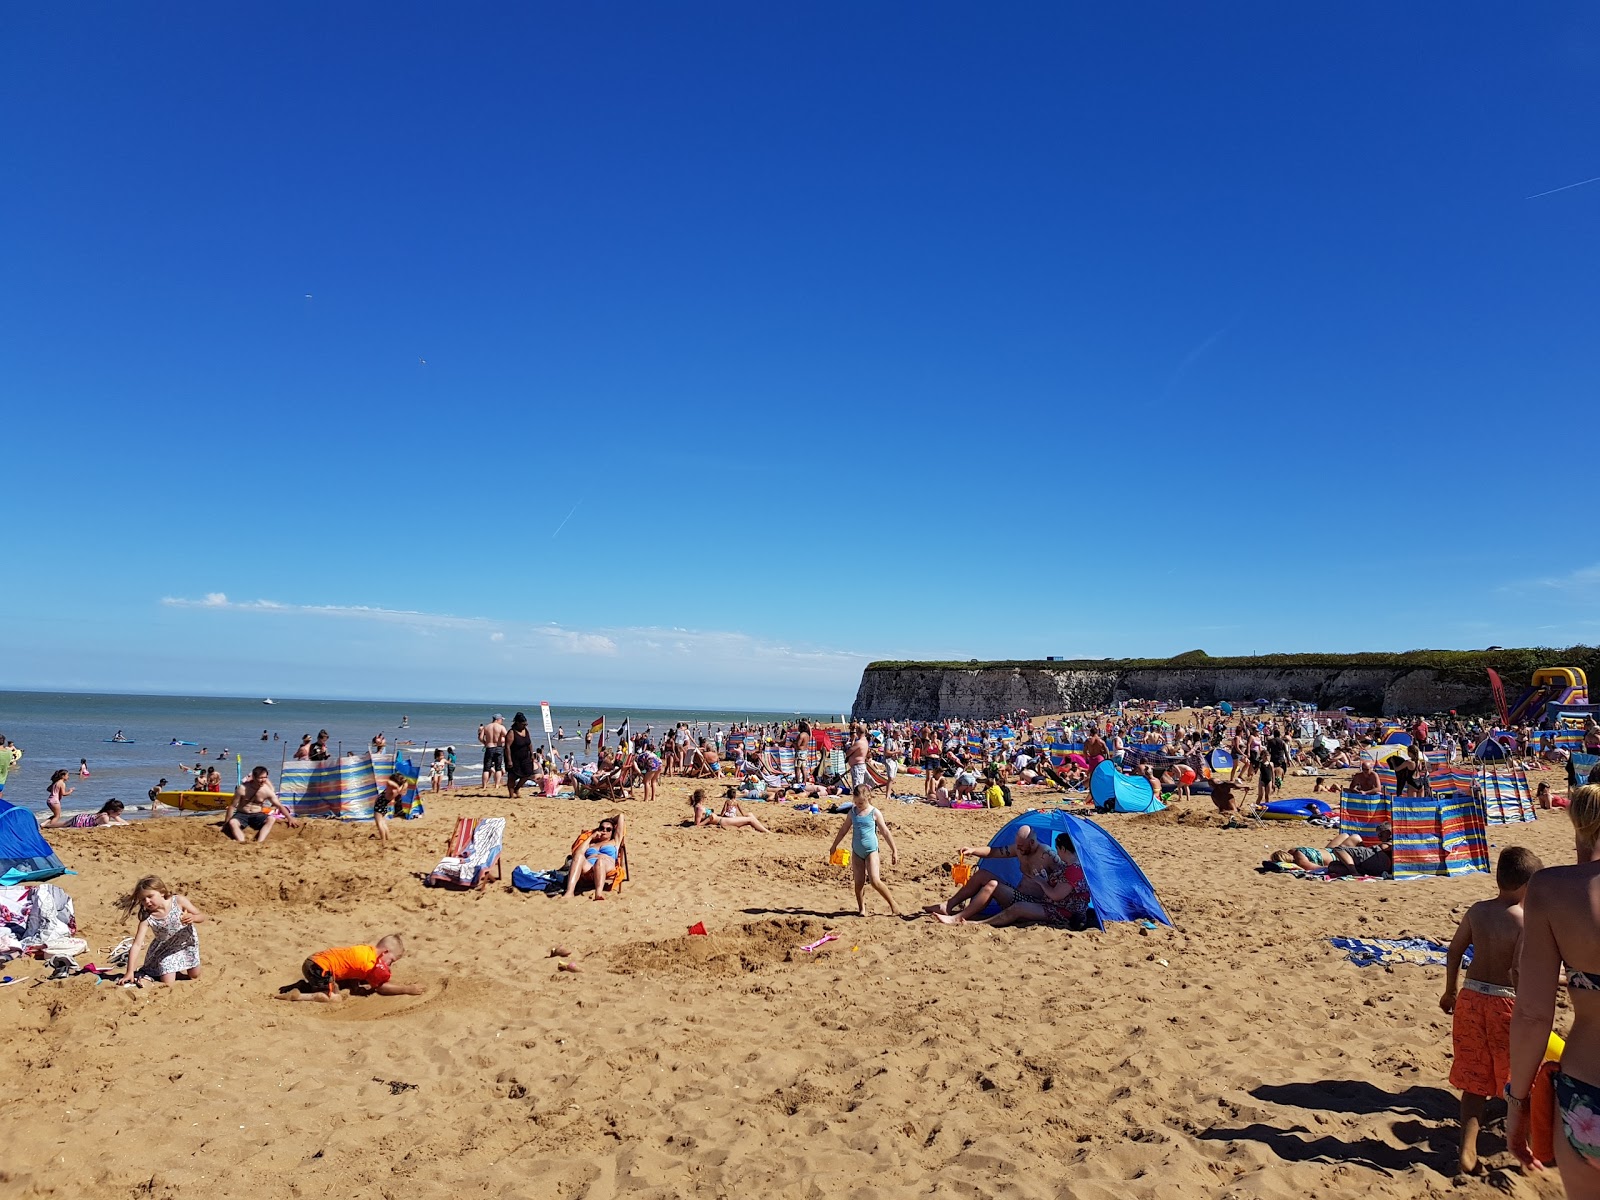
<point x="544" y="711"/>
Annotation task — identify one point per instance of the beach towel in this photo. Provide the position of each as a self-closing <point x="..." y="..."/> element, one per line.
<point x="474" y="849"/>
<point x="1388" y="952"/>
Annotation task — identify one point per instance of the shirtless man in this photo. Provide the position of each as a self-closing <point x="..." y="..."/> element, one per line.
<point x="492" y="737"/>
<point x="1365" y="780"/>
<point x="1034" y="859"/>
<point x="255" y="806"/>
<point x="860" y="747"/>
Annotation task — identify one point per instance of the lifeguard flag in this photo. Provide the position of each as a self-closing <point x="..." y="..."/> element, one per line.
<point x="597" y="725"/>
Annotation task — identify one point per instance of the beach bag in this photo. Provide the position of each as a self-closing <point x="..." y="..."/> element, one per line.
<point x="525" y="879"/>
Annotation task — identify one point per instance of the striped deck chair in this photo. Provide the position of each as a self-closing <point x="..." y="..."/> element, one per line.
<point x="473" y="853"/>
<point x="620" y="875"/>
<point x="1507" y="798"/>
<point x="1362" y="814"/>
<point x="877" y="774"/>
<point x="835" y="765"/>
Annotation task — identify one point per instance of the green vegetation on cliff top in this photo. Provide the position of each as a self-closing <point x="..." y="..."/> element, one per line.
<point x="1515" y="665"/>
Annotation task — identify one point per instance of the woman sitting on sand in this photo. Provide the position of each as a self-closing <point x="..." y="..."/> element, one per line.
<point x="1063" y="900"/>
<point x="731" y="816"/>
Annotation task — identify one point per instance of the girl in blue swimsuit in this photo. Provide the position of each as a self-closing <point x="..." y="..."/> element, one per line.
<point x="863" y="825"/>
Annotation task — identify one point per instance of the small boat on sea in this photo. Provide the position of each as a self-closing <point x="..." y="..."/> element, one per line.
<point x="269" y="700"/>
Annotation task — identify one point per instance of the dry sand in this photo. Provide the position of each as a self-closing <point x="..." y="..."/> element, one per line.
<point x="1236" y="1055"/>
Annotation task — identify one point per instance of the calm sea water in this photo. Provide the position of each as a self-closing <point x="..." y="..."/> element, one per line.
<point x="58" y="729"/>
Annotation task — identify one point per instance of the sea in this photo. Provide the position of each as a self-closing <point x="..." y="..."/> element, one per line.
<point x="167" y="736"/>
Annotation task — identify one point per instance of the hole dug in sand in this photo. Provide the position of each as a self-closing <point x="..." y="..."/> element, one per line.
<point x="723" y="953"/>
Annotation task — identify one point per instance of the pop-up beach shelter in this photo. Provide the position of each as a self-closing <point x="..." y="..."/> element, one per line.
<point x="1118" y="889"/>
<point x="25" y="857"/>
<point x="1113" y="791"/>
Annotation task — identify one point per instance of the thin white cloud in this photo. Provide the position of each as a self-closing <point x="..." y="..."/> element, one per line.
<point x="1583" y="579"/>
<point x="708" y="647"/>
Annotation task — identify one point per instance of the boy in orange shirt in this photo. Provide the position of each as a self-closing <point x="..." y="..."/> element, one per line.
<point x="366" y="967"/>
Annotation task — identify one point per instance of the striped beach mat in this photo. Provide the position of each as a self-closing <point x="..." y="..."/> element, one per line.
<point x="1507" y="798"/>
<point x="1362" y="814"/>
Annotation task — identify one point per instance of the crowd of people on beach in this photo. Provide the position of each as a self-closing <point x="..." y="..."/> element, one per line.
<point x="1502" y="1006"/>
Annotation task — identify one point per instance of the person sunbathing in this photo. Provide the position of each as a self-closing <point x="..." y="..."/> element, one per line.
<point x="731" y="816"/>
<point x="594" y="858"/>
<point x="1035" y="861"/>
<point x="1313" y="858"/>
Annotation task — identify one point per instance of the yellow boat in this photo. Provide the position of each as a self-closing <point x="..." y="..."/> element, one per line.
<point x="195" y="801"/>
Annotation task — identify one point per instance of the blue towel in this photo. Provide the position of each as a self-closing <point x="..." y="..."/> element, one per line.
<point x="1420" y="952"/>
<point x="526" y="880"/>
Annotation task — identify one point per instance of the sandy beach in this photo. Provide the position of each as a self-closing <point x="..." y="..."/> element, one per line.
<point x="1235" y="1055"/>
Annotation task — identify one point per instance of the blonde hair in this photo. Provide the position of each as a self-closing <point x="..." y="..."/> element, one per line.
<point x="393" y="944"/>
<point x="152" y="883"/>
<point x="1583" y="808"/>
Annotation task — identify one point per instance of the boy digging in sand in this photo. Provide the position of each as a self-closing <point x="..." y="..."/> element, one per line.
<point x="1480" y="1036"/>
<point x="367" y="967"/>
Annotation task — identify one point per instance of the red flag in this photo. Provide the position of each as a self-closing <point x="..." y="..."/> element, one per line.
<point x="698" y="929"/>
<point x="1499" y="691"/>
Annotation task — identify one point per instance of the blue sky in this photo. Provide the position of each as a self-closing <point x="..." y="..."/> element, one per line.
<point x="761" y="341"/>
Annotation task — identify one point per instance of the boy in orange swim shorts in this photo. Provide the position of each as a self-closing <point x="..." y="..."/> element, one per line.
<point x="1480" y="1036"/>
<point x="328" y="971"/>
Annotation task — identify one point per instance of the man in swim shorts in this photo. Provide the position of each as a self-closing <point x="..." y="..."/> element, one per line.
<point x="492" y="737"/>
<point x="860" y="747"/>
<point x="255" y="806"/>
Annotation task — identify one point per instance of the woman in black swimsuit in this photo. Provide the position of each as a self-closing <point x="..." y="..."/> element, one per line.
<point x="519" y="754"/>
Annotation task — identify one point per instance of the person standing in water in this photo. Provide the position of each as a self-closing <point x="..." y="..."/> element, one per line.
<point x="83" y="767"/>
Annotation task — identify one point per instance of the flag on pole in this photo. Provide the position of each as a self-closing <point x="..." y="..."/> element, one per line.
<point x="598" y="725"/>
<point x="622" y="731"/>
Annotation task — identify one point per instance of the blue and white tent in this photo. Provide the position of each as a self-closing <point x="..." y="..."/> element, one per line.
<point x="25" y="857"/>
<point x="1118" y="889"/>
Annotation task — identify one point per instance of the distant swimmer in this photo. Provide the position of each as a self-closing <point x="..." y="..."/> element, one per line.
<point x="83" y="767"/>
<point x="405" y="722"/>
<point x="265" y="736"/>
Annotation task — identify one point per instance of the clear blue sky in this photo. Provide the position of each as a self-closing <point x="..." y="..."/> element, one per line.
<point x="851" y="331"/>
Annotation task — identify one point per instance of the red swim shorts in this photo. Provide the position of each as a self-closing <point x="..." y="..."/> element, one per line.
<point x="1481" y="1039"/>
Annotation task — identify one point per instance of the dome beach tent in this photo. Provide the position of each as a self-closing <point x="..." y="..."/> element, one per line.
<point x="1112" y="791"/>
<point x="1118" y="889"/>
<point x="25" y="857"/>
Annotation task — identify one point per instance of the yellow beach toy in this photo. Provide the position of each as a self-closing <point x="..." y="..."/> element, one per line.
<point x="840" y="857"/>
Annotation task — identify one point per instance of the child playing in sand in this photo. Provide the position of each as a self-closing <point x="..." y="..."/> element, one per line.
<point x="391" y="793"/>
<point x="367" y="967"/>
<point x="863" y="825"/>
<point x="167" y="930"/>
<point x="1481" y="1033"/>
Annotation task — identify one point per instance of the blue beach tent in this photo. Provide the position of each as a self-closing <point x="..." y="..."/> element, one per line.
<point x="1112" y="791"/>
<point x="1118" y="889"/>
<point x="1491" y="750"/>
<point x="25" y="857"/>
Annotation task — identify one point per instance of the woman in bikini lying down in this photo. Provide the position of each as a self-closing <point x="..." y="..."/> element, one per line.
<point x="731" y="816"/>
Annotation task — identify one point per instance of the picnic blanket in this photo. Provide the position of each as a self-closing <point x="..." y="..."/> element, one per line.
<point x="1388" y="952"/>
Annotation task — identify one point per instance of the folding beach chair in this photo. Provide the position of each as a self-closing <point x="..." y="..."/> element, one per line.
<point x="473" y="856"/>
<point x="619" y="876"/>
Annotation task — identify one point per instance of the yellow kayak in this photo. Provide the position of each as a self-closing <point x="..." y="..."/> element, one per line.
<point x="195" y="801"/>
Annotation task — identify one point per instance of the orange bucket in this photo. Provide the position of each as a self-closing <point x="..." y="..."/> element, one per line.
<point x="960" y="872"/>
